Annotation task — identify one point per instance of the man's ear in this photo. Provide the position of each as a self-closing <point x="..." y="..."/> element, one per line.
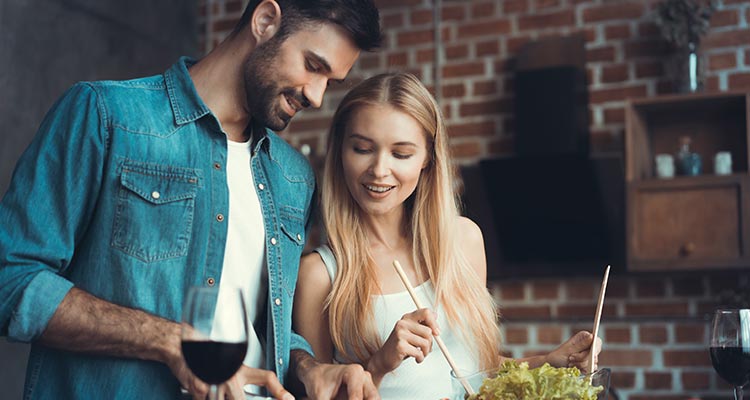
<point x="266" y="20"/>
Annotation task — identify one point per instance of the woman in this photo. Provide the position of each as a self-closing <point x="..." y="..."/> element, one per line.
<point x="387" y="194"/>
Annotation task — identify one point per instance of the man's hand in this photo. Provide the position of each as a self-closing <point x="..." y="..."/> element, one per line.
<point x="234" y="387"/>
<point x="333" y="381"/>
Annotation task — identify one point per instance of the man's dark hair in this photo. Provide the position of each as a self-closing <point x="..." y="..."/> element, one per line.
<point x="358" y="17"/>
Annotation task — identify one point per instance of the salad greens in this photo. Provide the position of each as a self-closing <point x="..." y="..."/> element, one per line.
<point x="516" y="381"/>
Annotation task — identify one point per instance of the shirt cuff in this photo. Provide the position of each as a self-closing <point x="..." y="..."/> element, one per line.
<point x="38" y="303"/>
<point x="299" y="343"/>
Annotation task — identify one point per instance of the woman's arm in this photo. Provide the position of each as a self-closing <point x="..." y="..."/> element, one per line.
<point x="575" y="352"/>
<point x="319" y="376"/>
<point x="471" y="236"/>
<point x="309" y="318"/>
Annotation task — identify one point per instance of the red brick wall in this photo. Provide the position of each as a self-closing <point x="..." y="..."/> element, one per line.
<point x="655" y="327"/>
<point x="625" y="58"/>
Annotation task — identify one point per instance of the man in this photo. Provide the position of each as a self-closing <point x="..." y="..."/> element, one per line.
<point x="128" y="196"/>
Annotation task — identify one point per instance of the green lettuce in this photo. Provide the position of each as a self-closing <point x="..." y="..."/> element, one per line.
<point x="516" y="381"/>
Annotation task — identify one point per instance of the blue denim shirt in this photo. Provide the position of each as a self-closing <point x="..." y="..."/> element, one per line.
<point x="123" y="194"/>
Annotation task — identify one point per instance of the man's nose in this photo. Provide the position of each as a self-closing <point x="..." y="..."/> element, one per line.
<point x="314" y="91"/>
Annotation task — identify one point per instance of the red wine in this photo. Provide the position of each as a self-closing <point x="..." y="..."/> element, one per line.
<point x="214" y="362"/>
<point x="732" y="364"/>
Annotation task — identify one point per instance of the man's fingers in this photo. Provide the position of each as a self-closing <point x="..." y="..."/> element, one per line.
<point x="370" y="390"/>
<point x="198" y="388"/>
<point x="353" y="379"/>
<point x="268" y="380"/>
<point x="234" y="390"/>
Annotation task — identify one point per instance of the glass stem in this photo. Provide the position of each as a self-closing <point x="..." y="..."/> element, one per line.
<point x="738" y="393"/>
<point x="213" y="393"/>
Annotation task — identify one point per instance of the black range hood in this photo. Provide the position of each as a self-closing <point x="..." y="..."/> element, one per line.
<point x="551" y="209"/>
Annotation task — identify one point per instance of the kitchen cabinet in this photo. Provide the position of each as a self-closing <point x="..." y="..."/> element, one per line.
<point x="687" y="222"/>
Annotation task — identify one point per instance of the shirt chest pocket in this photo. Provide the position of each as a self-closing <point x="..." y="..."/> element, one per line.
<point x="293" y="225"/>
<point x="154" y="214"/>
<point x="292" y="243"/>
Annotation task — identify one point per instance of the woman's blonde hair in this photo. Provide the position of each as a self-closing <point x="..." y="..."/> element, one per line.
<point x="431" y="215"/>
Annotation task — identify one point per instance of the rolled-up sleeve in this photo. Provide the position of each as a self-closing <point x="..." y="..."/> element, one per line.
<point x="46" y="210"/>
<point x="297" y="342"/>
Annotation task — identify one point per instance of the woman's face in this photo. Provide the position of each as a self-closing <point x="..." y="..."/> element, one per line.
<point x="383" y="154"/>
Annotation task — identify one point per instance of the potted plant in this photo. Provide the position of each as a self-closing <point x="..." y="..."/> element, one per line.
<point x="682" y="24"/>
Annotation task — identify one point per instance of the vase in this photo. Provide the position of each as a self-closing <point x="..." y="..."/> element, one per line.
<point x="687" y="69"/>
<point x="693" y="82"/>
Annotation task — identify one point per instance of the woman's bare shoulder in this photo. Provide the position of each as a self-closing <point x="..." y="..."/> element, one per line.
<point x="469" y="230"/>
<point x="313" y="272"/>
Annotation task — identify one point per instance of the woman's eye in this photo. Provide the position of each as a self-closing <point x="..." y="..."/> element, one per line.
<point x="402" y="156"/>
<point x="360" y="150"/>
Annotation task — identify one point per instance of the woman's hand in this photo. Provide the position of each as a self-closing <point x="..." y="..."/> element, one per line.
<point x="411" y="337"/>
<point x="576" y="352"/>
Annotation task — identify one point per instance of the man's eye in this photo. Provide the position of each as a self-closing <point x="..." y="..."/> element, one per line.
<point x="311" y="67"/>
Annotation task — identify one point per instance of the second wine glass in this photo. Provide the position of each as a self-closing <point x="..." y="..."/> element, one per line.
<point x="730" y="347"/>
<point x="214" y="343"/>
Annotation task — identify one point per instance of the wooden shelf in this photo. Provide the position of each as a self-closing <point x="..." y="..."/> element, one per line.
<point x="687" y="222"/>
<point x="715" y="122"/>
<point x="688" y="182"/>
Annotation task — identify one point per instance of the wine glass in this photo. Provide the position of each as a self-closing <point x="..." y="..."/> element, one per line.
<point x="214" y="334"/>
<point x="730" y="347"/>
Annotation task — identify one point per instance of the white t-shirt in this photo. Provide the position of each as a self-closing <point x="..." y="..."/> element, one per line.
<point x="244" y="256"/>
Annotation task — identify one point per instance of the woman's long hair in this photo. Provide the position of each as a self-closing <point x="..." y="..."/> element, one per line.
<point x="431" y="211"/>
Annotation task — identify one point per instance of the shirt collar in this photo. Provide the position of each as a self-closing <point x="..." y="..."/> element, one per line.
<point x="187" y="105"/>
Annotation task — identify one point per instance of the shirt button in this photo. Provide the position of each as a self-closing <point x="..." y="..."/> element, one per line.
<point x="277" y="301"/>
<point x="210" y="281"/>
<point x="155" y="195"/>
<point x="281" y="361"/>
<point x="261" y="186"/>
<point x="299" y="237"/>
<point x="273" y="240"/>
<point x="217" y="166"/>
<point x="219" y="217"/>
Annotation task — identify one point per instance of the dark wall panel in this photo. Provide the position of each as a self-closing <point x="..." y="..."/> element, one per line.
<point x="46" y="46"/>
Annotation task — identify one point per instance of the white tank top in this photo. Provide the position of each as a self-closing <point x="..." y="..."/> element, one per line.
<point x="430" y="379"/>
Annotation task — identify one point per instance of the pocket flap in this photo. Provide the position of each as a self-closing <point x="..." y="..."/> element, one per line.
<point x="293" y="224"/>
<point x="297" y="235"/>
<point x="159" y="188"/>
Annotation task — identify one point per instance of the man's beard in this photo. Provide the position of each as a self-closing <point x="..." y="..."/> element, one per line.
<point x="262" y="89"/>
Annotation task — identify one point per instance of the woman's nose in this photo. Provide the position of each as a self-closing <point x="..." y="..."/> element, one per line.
<point x="380" y="167"/>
